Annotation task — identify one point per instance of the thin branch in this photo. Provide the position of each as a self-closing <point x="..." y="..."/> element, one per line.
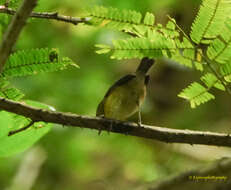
<point x="21" y="129"/>
<point x="14" y="29"/>
<point x="217" y="174"/>
<point x="50" y="16"/>
<point x="128" y="128"/>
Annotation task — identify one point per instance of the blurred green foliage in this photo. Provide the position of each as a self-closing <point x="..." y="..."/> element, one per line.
<point x="79" y="158"/>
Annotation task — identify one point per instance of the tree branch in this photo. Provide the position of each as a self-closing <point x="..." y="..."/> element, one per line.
<point x="14" y="29"/>
<point x="211" y="177"/>
<point x="128" y="128"/>
<point x="50" y="16"/>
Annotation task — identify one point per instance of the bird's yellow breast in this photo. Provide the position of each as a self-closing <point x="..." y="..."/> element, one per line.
<point x="125" y="100"/>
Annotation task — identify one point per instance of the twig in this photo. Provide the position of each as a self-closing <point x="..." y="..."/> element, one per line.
<point x="14" y="29"/>
<point x="51" y="16"/>
<point x="219" y="172"/>
<point x="149" y="132"/>
<point x="21" y="129"/>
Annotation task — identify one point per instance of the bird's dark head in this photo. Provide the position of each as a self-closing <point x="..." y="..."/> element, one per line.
<point x="145" y="65"/>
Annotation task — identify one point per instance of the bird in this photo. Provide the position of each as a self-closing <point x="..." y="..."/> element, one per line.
<point x="125" y="97"/>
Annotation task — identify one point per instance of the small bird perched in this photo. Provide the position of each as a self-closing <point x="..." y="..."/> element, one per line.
<point x="125" y="97"/>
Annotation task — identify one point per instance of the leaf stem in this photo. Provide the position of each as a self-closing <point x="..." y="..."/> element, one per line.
<point x="21" y="129"/>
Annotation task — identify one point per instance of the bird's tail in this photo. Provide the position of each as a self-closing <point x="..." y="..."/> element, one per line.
<point x="145" y="65"/>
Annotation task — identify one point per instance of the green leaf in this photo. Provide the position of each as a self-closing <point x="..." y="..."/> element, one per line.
<point x="114" y="18"/>
<point x="210" y="20"/>
<point x="179" y="58"/>
<point x="196" y="94"/>
<point x="225" y="71"/>
<point x="156" y="45"/>
<point x="187" y="54"/>
<point x="220" y="48"/>
<point x="127" y="21"/>
<point x="131" y="22"/>
<point x="184" y="58"/>
<point x="210" y="80"/>
<point x="10" y="145"/>
<point x="9" y="92"/>
<point x="12" y="93"/>
<point x="149" y="19"/>
<point x="29" y="62"/>
<point x="171" y="24"/>
<point x="104" y="48"/>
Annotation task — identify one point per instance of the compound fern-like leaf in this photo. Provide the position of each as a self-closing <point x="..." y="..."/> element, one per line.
<point x="141" y="47"/>
<point x="9" y="92"/>
<point x="115" y="18"/>
<point x="128" y="21"/>
<point x="196" y="94"/>
<point x="210" y="20"/>
<point x="220" y="48"/>
<point x="225" y="71"/>
<point x="149" y="19"/>
<point x="29" y="62"/>
<point x="210" y="80"/>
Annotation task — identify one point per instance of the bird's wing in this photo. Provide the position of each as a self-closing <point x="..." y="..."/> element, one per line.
<point x="120" y="82"/>
<point x="123" y="80"/>
<point x="100" y="109"/>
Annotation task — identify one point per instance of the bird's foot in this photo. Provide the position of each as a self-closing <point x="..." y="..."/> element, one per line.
<point x="99" y="132"/>
<point x="109" y="129"/>
<point x="139" y="124"/>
